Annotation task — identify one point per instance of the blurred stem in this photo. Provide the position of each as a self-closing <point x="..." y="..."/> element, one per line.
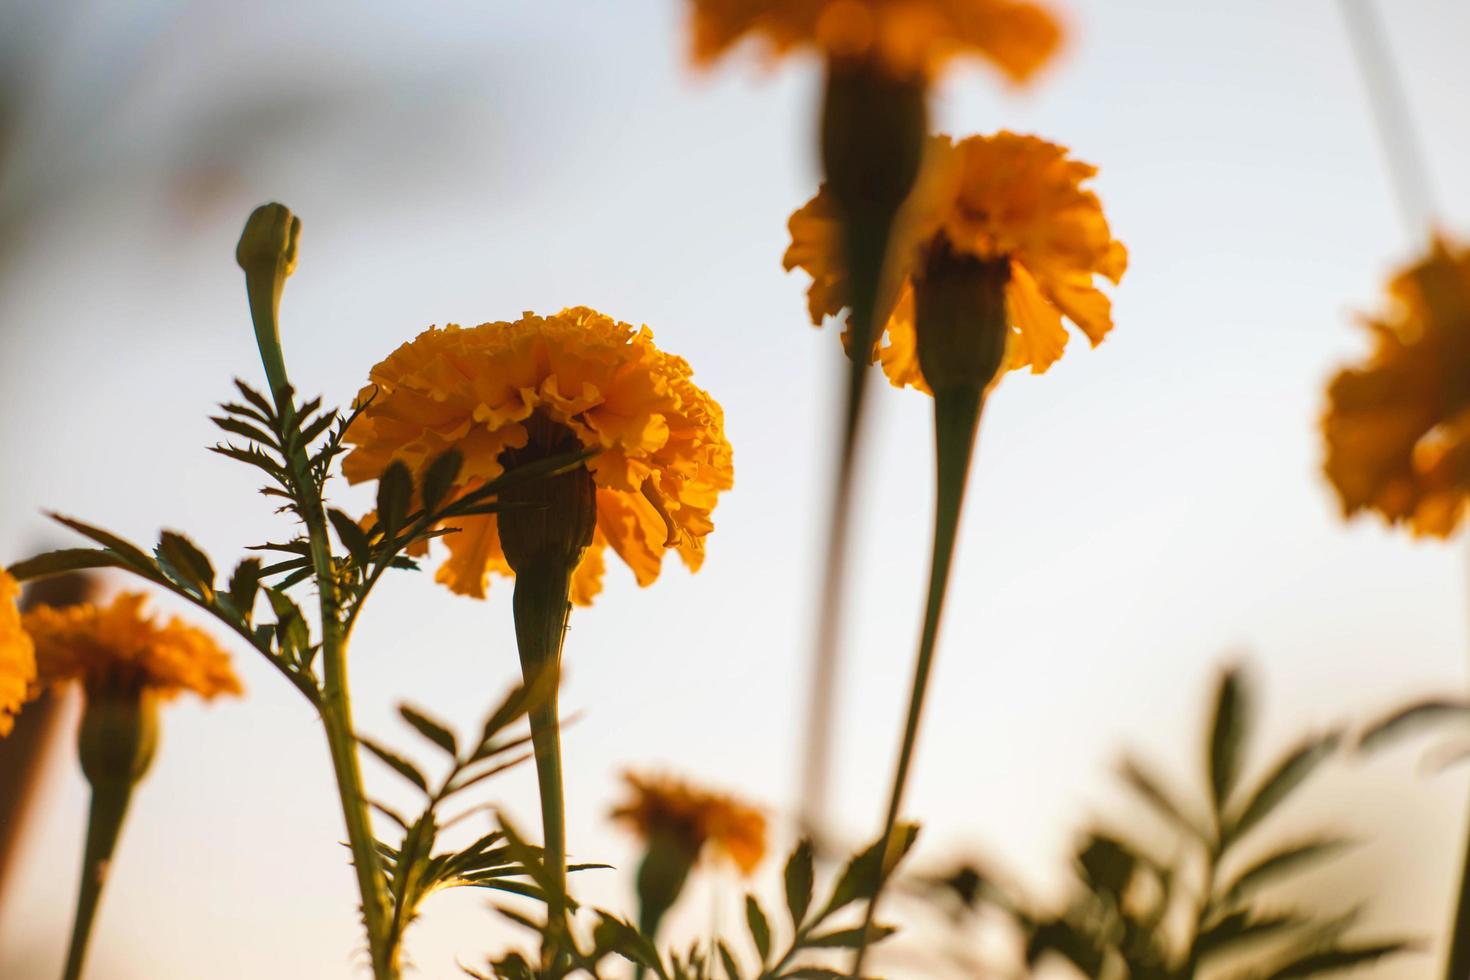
<point x="110" y="800"/>
<point x="542" y="604"/>
<point x="1459" y="965"/>
<point x="267" y="254"/>
<point x="956" y="419"/>
<point x="865" y="245"/>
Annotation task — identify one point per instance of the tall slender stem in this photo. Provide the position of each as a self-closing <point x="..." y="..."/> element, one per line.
<point x="866" y="245"/>
<point x="541" y="605"/>
<point x="267" y="253"/>
<point x="956" y="418"/>
<point x="110" y="800"/>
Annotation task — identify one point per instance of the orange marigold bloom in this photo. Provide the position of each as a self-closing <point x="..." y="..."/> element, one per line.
<point x="120" y="647"/>
<point x="17" y="655"/>
<point x="1398" y="427"/>
<point x="907" y="37"/>
<point x="1002" y="197"/>
<point x="662" y="805"/>
<point x="662" y="457"/>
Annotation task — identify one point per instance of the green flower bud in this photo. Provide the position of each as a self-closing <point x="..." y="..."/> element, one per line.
<point x="118" y="735"/>
<point x="960" y="318"/>
<point x="268" y="243"/>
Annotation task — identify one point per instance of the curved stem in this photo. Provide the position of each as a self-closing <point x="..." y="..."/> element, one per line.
<point x="110" y="800"/>
<point x="866" y="244"/>
<point x="541" y="606"/>
<point x="1459" y="962"/>
<point x="956" y="418"/>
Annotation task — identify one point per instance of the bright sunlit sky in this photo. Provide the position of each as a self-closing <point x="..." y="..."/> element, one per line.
<point x="1139" y="515"/>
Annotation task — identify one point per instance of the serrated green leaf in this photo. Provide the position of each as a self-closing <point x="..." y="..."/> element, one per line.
<point x="63" y="561"/>
<point x="245" y="429"/>
<point x="430" y="729"/>
<point x="860" y="879"/>
<point x="1227" y="736"/>
<point x="395" y="762"/>
<point x="798" y="881"/>
<point x="395" y="493"/>
<point x="1281" y="782"/>
<point x="353" y="537"/>
<point x="292" y="634"/>
<point x="439" y="477"/>
<point x="255" y="398"/>
<point x="760" y="928"/>
<point x="130" y="554"/>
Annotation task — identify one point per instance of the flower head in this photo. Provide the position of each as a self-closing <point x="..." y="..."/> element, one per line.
<point x="662" y="806"/>
<point x="121" y="648"/>
<point x="17" y="654"/>
<point x="662" y="457"/>
<point x="1009" y="199"/>
<point x="906" y="37"/>
<point x="1398" y="426"/>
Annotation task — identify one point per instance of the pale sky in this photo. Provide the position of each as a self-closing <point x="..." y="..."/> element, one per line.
<point x="1138" y="515"/>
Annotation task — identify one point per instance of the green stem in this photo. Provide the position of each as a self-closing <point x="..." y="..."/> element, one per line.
<point x="109" y="806"/>
<point x="865" y="244"/>
<point x="265" y="275"/>
<point x="1459" y="964"/>
<point x="541" y="606"/>
<point x="956" y="418"/>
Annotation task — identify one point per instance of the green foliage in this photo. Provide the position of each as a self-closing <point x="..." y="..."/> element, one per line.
<point x="1133" y="914"/>
<point x="808" y="933"/>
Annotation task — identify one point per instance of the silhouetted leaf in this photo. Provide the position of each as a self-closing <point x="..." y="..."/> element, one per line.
<point x="1164" y="802"/>
<point x="727" y="958"/>
<point x="439" y="477"/>
<point x="1227" y="736"/>
<point x="395" y="491"/>
<point x="244" y="584"/>
<point x="353" y="537"/>
<point x="1107" y="864"/>
<point x="245" y="429"/>
<point x="798" y="880"/>
<point x="185" y="564"/>
<point x="1060" y="937"/>
<point x="848" y="938"/>
<point x="131" y="554"/>
<point x="1242" y="927"/>
<point x="1281" y="861"/>
<point x="1288" y="774"/>
<point x="859" y="880"/>
<point x="397" y="763"/>
<point x="430" y="729"/>
<point x="1410" y="718"/>
<point x="760" y="928"/>
<point x="63" y="561"/>
<point x="1338" y="958"/>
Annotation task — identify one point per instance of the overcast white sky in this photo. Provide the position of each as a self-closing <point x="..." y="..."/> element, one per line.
<point x="1139" y="514"/>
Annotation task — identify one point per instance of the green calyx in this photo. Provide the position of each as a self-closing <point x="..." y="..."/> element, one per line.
<point x="960" y="318"/>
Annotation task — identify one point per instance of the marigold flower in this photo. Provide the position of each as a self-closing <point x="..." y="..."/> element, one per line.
<point x="1398" y="427"/>
<point x="663" y="806"/>
<point x="662" y="457"/>
<point x="121" y="648"/>
<point x="17" y="655"/>
<point x="1006" y="198"/>
<point x="907" y="37"/>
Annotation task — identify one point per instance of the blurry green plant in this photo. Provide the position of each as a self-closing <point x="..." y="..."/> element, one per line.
<point x="812" y="933"/>
<point x="1199" y="911"/>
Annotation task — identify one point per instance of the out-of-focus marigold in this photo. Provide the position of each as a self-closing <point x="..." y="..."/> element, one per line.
<point x="1011" y="198"/>
<point x="907" y="38"/>
<point x="17" y="655"/>
<point x="121" y="648"/>
<point x="661" y="805"/>
<point x="1398" y="426"/>
<point x="662" y="457"/>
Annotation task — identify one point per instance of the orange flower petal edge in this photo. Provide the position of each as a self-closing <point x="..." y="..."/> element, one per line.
<point x="663" y="805"/>
<point x="662" y="460"/>
<point x="1397" y="426"/>
<point x="17" y="655"/>
<point x="907" y="37"/>
<point x="1010" y="197"/>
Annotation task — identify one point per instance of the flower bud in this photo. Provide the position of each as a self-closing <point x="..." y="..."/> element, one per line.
<point x="960" y="318"/>
<point x="118" y="735"/>
<point x="662" y="875"/>
<point x="550" y="519"/>
<point x="268" y="243"/>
